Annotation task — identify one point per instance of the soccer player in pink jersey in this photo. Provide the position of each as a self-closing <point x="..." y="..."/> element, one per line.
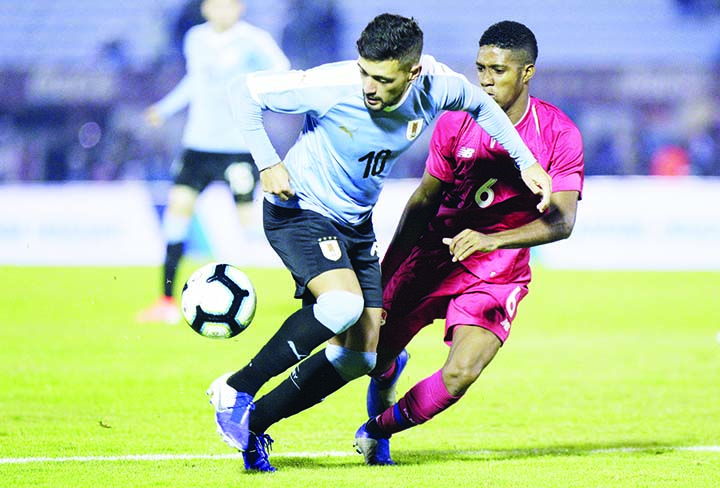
<point x="462" y="248"/>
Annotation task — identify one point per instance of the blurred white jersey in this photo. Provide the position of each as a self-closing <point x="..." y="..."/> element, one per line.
<point x="212" y="60"/>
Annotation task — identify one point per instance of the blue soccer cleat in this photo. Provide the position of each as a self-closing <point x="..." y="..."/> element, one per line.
<point x="367" y="445"/>
<point x="256" y="455"/>
<point x="232" y="412"/>
<point x="381" y="395"/>
<point x="382" y="453"/>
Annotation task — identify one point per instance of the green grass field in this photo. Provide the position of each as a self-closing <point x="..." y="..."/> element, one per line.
<point x="608" y="380"/>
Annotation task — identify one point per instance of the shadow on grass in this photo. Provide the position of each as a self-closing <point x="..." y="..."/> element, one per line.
<point x="424" y="457"/>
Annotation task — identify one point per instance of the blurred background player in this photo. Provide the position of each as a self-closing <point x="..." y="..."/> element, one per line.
<point x="213" y="148"/>
<point x="461" y="250"/>
<point x="360" y="116"/>
<point x="312" y="33"/>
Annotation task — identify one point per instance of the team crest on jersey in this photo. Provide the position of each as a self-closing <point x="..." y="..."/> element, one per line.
<point x="330" y="248"/>
<point x="414" y="129"/>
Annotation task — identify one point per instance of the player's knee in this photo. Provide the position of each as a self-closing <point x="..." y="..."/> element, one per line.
<point x="459" y="379"/>
<point x="338" y="310"/>
<point x="348" y="363"/>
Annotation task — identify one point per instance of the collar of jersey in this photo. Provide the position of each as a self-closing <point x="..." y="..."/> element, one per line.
<point x="402" y="100"/>
<point x="527" y="111"/>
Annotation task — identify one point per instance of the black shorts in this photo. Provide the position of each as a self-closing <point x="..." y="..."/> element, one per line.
<point x="197" y="169"/>
<point x="310" y="244"/>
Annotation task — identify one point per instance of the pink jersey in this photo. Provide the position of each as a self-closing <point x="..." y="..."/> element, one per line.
<point x="486" y="192"/>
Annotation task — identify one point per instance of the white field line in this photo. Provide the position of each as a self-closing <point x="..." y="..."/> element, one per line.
<point x="341" y="454"/>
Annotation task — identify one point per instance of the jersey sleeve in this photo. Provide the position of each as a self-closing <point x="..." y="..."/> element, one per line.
<point x="442" y="148"/>
<point x="567" y="161"/>
<point x="312" y="91"/>
<point x="247" y="113"/>
<point x="179" y="97"/>
<point x="495" y="121"/>
<point x="268" y="56"/>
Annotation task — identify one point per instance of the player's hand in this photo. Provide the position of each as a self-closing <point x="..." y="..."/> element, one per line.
<point x="540" y="183"/>
<point x="153" y="117"/>
<point x="468" y="242"/>
<point x="276" y="180"/>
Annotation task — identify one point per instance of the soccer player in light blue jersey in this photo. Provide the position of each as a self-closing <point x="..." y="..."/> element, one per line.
<point x="359" y="118"/>
<point x="215" y="51"/>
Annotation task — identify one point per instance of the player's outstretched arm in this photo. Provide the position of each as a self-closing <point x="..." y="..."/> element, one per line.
<point x="556" y="224"/>
<point x="540" y="183"/>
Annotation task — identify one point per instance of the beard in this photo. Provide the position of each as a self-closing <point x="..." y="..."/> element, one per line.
<point x="375" y="107"/>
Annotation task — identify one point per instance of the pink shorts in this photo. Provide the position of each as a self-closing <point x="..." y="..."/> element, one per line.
<point x="427" y="289"/>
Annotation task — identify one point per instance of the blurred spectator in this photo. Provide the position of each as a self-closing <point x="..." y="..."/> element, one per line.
<point x="11" y="150"/>
<point x="698" y="8"/>
<point x="114" y="55"/>
<point x="56" y="160"/>
<point x="700" y="128"/>
<point x="670" y="160"/>
<point x="604" y="157"/>
<point x="311" y="35"/>
<point x="624" y="129"/>
<point x="607" y="134"/>
<point x="704" y="152"/>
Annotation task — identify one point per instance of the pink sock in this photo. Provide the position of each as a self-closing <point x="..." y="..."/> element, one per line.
<point x="387" y="374"/>
<point x="422" y="402"/>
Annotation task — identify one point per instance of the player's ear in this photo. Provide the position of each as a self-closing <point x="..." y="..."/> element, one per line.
<point x="415" y="72"/>
<point x="528" y="72"/>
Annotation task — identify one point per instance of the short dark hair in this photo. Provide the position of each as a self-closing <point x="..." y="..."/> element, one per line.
<point x="390" y="36"/>
<point x="511" y="35"/>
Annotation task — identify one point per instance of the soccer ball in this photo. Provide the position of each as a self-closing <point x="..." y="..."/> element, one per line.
<point x="218" y="301"/>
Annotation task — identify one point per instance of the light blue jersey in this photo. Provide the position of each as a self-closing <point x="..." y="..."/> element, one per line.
<point x="213" y="59"/>
<point x="345" y="151"/>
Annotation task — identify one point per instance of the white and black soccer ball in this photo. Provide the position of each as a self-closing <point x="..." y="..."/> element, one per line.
<point x="218" y="301"/>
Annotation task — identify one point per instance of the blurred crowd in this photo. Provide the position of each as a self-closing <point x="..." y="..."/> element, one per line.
<point x="103" y="138"/>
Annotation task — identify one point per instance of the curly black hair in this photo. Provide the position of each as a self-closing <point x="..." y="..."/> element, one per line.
<point x="512" y="35"/>
<point x="390" y="36"/>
